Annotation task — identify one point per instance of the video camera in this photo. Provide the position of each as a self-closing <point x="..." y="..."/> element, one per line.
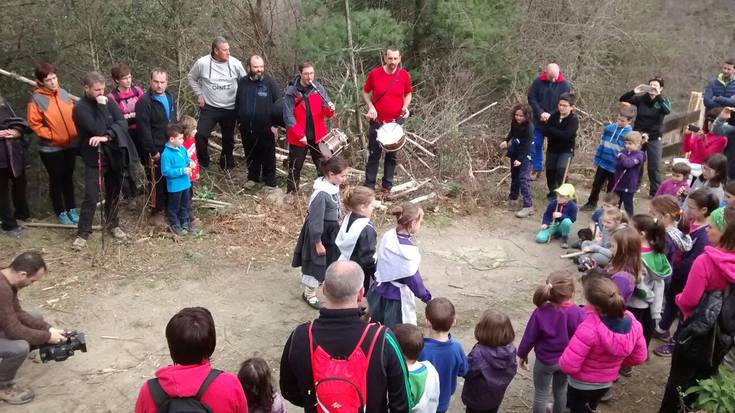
<point x="63" y="350"/>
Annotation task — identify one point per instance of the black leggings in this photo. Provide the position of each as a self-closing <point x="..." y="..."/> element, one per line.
<point x="60" y="167"/>
<point x="584" y="401"/>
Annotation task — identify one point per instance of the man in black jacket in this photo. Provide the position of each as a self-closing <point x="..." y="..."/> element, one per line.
<point x="256" y="94"/>
<point x="337" y="332"/>
<point x="103" y="138"/>
<point x="153" y="112"/>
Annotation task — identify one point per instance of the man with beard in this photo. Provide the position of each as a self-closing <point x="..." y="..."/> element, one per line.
<point x="720" y="91"/>
<point x="154" y="111"/>
<point x="213" y="78"/>
<point x="256" y="94"/>
<point x="103" y="140"/>
<point x="391" y="94"/>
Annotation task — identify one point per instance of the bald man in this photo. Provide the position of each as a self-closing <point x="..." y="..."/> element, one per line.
<point x="543" y="96"/>
<point x="337" y="333"/>
<point x="257" y="92"/>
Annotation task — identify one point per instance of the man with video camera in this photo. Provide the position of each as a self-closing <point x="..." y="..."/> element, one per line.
<point x="20" y="331"/>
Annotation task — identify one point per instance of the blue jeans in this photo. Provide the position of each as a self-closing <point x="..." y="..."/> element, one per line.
<point x="626" y="199"/>
<point x="178" y="209"/>
<point x="520" y="181"/>
<point x="537" y="150"/>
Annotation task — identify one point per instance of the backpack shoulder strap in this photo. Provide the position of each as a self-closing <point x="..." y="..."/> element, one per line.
<point x="375" y="339"/>
<point x="157" y="393"/>
<point x="210" y="378"/>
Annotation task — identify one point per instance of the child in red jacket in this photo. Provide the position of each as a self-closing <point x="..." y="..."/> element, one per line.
<point x="190" y="129"/>
<point x="608" y="337"/>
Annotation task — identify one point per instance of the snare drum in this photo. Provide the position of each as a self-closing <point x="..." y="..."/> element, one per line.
<point x="390" y="137"/>
<point x="333" y="143"/>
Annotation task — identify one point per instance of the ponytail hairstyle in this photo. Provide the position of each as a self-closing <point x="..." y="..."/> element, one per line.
<point x="603" y="294"/>
<point x="357" y="196"/>
<point x="523" y="107"/>
<point x="654" y="232"/>
<point x="718" y="162"/>
<point x="704" y="198"/>
<point x="334" y="165"/>
<point x="406" y="215"/>
<point x="727" y="239"/>
<point x="627" y="255"/>
<point x="559" y="287"/>
<point x="669" y="205"/>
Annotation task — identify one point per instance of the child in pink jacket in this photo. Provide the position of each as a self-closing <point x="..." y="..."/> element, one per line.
<point x="609" y="337"/>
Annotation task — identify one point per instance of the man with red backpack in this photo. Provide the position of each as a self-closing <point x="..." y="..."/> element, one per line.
<point x="339" y="362"/>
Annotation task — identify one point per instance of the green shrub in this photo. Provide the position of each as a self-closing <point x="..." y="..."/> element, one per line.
<point x="716" y="394"/>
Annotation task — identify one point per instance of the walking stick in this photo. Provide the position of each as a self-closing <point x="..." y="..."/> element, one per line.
<point x="99" y="192"/>
<point x="558" y="209"/>
<point x="153" y="196"/>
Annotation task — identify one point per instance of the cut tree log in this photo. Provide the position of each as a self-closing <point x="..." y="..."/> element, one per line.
<point x="423" y="198"/>
<point x="411" y="189"/>
<point x="52" y="225"/>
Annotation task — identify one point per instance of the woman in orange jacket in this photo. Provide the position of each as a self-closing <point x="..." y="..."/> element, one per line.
<point x="49" y="116"/>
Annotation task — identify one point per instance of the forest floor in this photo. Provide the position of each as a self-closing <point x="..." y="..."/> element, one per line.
<point x="240" y="270"/>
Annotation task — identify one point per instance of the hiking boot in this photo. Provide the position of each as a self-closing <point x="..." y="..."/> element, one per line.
<point x="73" y="215"/>
<point x="664" y="350"/>
<point x="177" y="230"/>
<point x="79" y="244"/>
<point x="525" y="212"/>
<point x="64" y="219"/>
<point x="118" y="233"/>
<point x="626" y="371"/>
<point x="588" y="207"/>
<point x="309" y="295"/>
<point x="564" y="243"/>
<point x="15" y="394"/>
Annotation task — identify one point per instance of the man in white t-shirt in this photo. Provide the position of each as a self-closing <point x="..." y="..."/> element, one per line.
<point x="213" y="78"/>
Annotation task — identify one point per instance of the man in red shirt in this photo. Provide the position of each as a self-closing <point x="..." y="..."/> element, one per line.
<point x="387" y="93"/>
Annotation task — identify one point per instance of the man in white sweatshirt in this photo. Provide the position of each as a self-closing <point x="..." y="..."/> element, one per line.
<point x="213" y="78"/>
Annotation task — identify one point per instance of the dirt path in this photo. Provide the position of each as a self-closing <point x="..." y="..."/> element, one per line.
<point x="476" y="262"/>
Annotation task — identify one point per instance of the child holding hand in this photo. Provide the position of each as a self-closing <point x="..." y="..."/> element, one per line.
<point x="628" y="165"/>
<point x="176" y="167"/>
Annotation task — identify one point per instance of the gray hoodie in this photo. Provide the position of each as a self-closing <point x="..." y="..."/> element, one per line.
<point x="216" y="81"/>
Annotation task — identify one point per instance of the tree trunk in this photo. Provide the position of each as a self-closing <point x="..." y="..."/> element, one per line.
<point x="353" y="67"/>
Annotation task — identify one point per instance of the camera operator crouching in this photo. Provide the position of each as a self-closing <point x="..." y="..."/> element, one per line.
<point x="20" y="331"/>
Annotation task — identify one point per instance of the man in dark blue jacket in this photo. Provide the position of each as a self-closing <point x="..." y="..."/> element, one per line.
<point x="543" y="96"/>
<point x="153" y="112"/>
<point x="257" y="92"/>
<point x="721" y="90"/>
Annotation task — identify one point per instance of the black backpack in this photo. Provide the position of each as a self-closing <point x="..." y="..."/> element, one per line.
<point x="166" y="404"/>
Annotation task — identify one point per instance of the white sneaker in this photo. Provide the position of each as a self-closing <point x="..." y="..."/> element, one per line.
<point x="79" y="244"/>
<point x="117" y="233"/>
<point x="525" y="212"/>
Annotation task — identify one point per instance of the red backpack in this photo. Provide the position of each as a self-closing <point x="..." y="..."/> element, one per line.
<point x="340" y="384"/>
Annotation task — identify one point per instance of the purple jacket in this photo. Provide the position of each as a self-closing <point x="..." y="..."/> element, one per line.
<point x="549" y="330"/>
<point x="699" y="241"/>
<point x="628" y="170"/>
<point x="491" y="371"/>
<point x="625" y="282"/>
<point x="415" y="283"/>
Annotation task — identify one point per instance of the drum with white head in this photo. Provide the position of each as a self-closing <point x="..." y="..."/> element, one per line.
<point x="391" y="137"/>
